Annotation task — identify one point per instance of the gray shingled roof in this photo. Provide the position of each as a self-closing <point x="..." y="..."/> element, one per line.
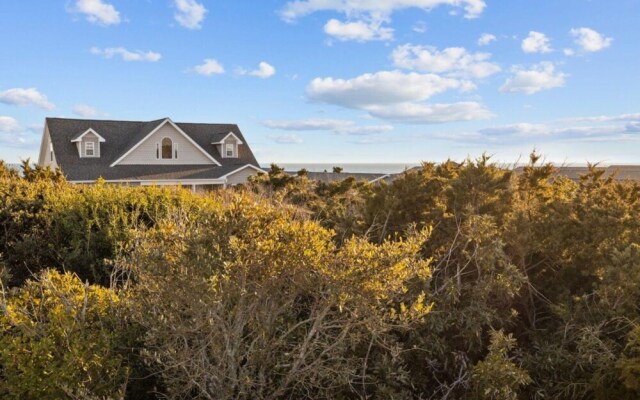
<point x="120" y="136"/>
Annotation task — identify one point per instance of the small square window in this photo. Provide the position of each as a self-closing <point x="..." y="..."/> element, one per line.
<point x="89" y="149"/>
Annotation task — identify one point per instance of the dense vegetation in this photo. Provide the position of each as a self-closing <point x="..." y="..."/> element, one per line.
<point x="456" y="280"/>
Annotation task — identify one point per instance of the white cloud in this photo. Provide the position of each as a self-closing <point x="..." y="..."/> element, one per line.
<point x="608" y="118"/>
<point x="385" y="87"/>
<point x="536" y="133"/>
<point x="569" y="52"/>
<point x="190" y="13"/>
<point x="590" y="40"/>
<point x="455" y="61"/>
<point x="264" y="71"/>
<point x="540" y="77"/>
<point x="97" y="11"/>
<point x="397" y="96"/>
<point x="380" y="9"/>
<point x="359" y="31"/>
<point x="25" y="97"/>
<point x="287" y="139"/>
<point x="209" y="67"/>
<point x="536" y="42"/>
<point x="127" y="55"/>
<point x="9" y="125"/>
<point x="486" y="38"/>
<point x="14" y="135"/>
<point x="338" y="126"/>
<point x="516" y="130"/>
<point x="86" y="111"/>
<point x="420" y="113"/>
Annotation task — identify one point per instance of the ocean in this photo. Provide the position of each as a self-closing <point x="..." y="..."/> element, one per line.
<point x="346" y="167"/>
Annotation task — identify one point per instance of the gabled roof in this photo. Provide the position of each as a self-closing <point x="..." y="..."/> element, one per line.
<point x="79" y="137"/>
<point x="154" y="130"/>
<point x="122" y="135"/>
<point x="225" y="138"/>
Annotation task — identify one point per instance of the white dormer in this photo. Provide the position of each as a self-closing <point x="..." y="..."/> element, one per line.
<point x="228" y="146"/>
<point x="88" y="143"/>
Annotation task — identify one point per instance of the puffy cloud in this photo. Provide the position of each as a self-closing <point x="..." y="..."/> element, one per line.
<point x="378" y="8"/>
<point x="264" y="71"/>
<point x="540" y="77"/>
<point x="590" y="40"/>
<point x="209" y="67"/>
<point x="26" y="97"/>
<point x="339" y="126"/>
<point x="420" y="113"/>
<point x="486" y="38"/>
<point x="9" y="125"/>
<point x="127" y="55"/>
<point x="359" y="31"/>
<point x="14" y="135"/>
<point x="287" y="139"/>
<point x="397" y="96"/>
<point x="385" y="87"/>
<point x="527" y="132"/>
<point x="97" y="11"/>
<point x="455" y="61"/>
<point x="86" y="111"/>
<point x="536" y="42"/>
<point x="190" y="13"/>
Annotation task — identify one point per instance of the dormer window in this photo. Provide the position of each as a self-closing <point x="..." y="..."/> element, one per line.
<point x="228" y="145"/>
<point x="89" y="149"/>
<point x="230" y="150"/>
<point x="88" y="143"/>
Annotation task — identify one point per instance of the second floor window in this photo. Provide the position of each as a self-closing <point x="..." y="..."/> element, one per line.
<point x="89" y="149"/>
<point x="167" y="149"/>
<point x="229" y="150"/>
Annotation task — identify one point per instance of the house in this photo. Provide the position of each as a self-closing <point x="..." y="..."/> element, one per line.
<point x="160" y="152"/>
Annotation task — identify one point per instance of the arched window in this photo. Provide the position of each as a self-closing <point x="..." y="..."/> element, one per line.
<point x="167" y="149"/>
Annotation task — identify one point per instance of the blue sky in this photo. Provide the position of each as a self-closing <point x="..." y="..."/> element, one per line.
<point x="335" y="80"/>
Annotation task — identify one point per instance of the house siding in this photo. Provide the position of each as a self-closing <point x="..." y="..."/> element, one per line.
<point x="47" y="158"/>
<point x="241" y="176"/>
<point x="145" y="154"/>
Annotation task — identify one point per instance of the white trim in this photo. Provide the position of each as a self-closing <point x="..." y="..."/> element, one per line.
<point x="90" y="130"/>
<point x="225" y="138"/>
<point x="166" y="121"/>
<point x="241" y="168"/>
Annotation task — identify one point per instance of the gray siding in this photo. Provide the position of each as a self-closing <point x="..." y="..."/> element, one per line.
<point x="241" y="176"/>
<point x="145" y="154"/>
<point x="47" y="158"/>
